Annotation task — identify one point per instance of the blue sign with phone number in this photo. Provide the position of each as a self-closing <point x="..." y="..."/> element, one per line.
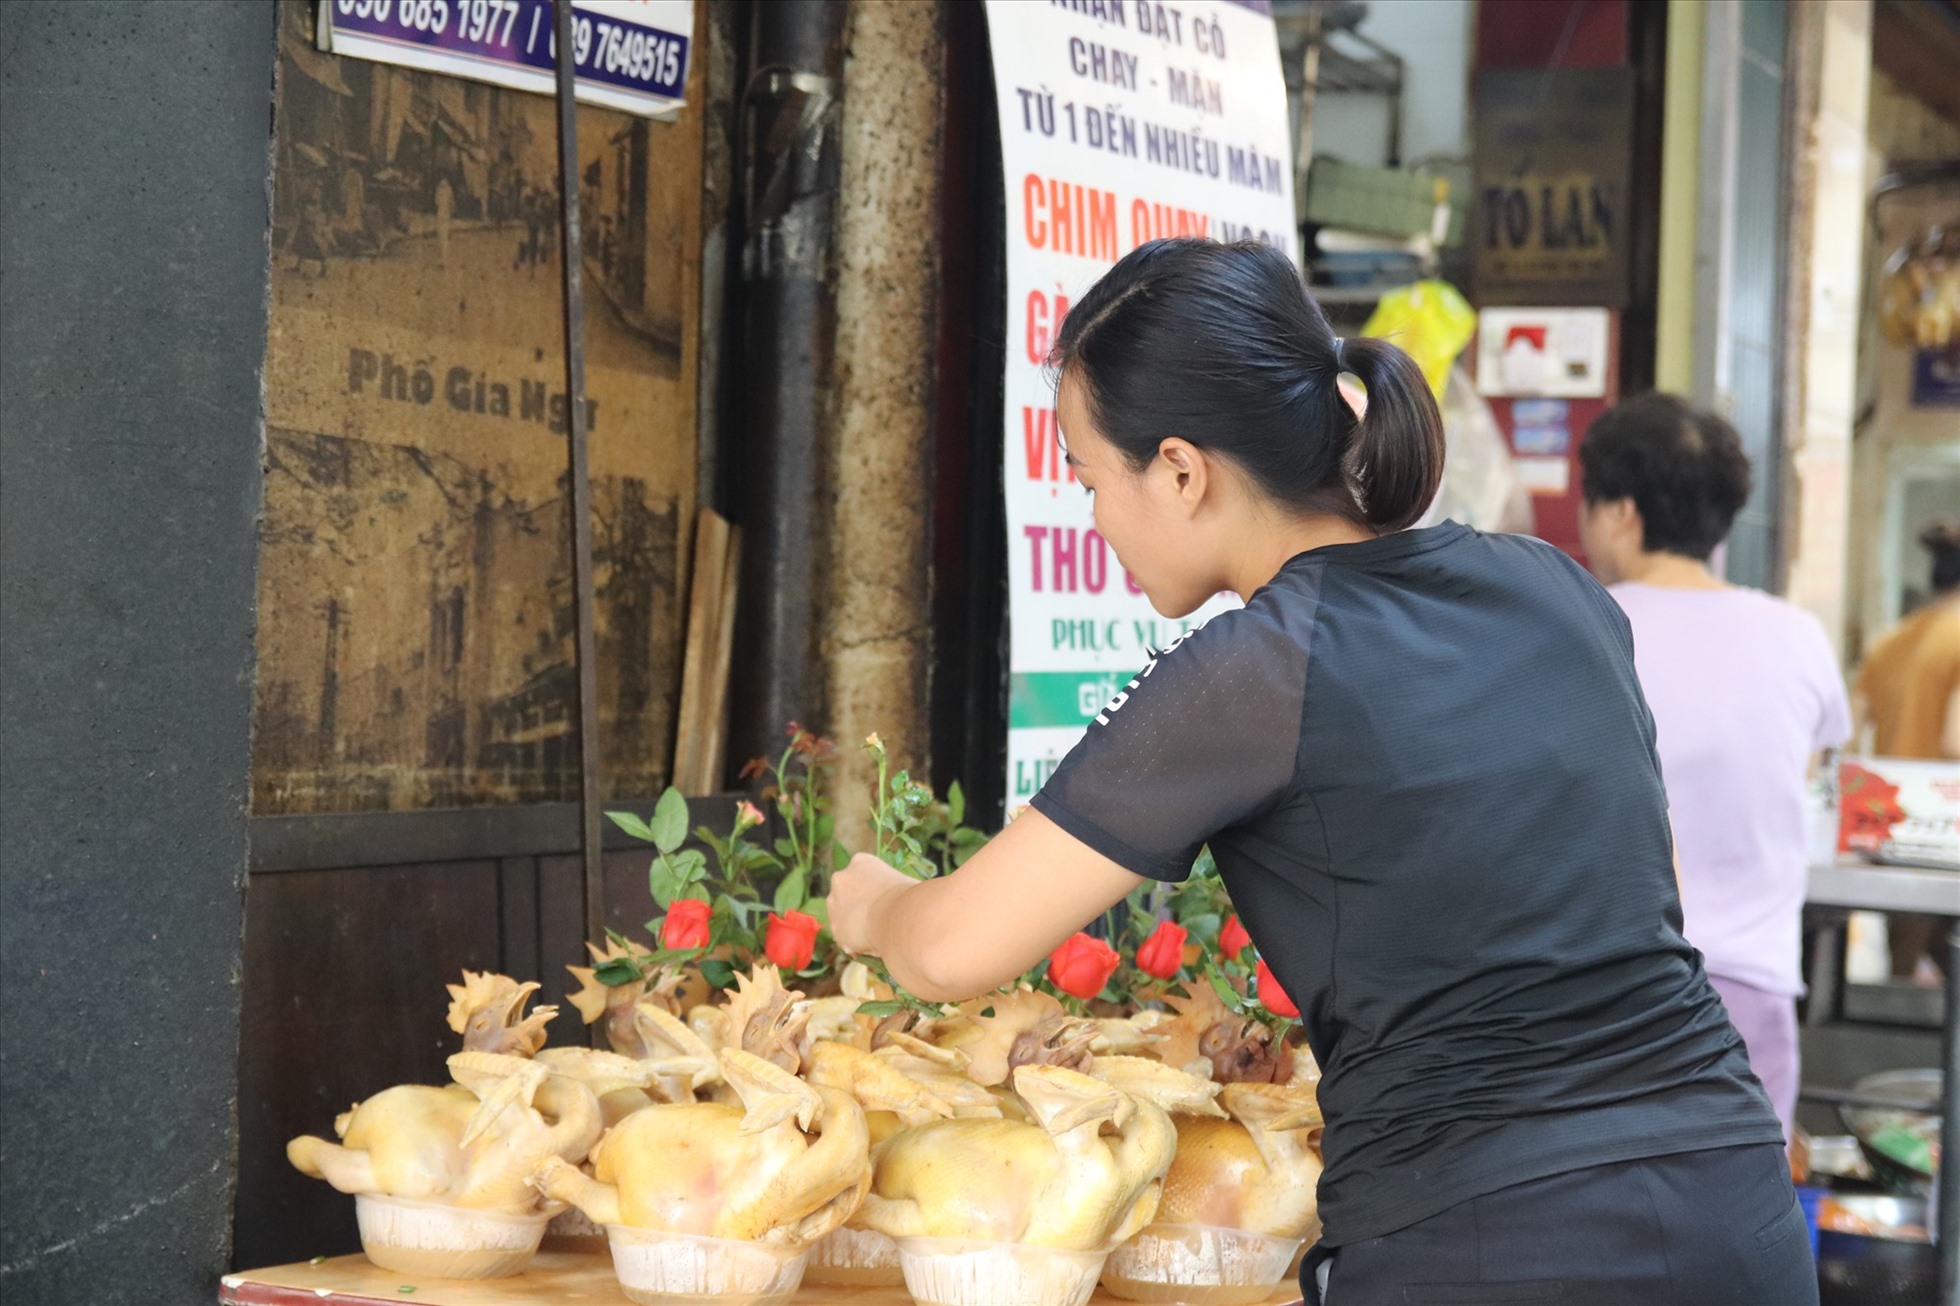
<point x="626" y="56"/>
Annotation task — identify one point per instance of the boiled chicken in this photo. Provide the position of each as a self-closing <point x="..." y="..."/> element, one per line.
<point x="1206" y="1037"/>
<point x="1061" y="1181"/>
<point x="688" y="1064"/>
<point x="1013" y="1028"/>
<point x="786" y="1167"/>
<point x="472" y="1144"/>
<point x="488" y="1011"/>
<point x="1254" y="1169"/>
<point x="893" y="1102"/>
<point x="622" y="1084"/>
<point x="945" y="1072"/>
<point x="615" y="1007"/>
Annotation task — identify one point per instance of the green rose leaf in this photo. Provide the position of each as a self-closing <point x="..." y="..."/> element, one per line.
<point x="616" y="972"/>
<point x="879" y="1010"/>
<point x="669" y="828"/>
<point x="662" y="883"/>
<point x="690" y="865"/>
<point x="632" y="824"/>
<point x="792" y="891"/>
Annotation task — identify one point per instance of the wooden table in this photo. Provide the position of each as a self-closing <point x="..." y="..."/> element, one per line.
<point x="553" y="1277"/>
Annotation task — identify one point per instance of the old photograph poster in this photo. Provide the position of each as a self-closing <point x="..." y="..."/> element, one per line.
<point x="1122" y="121"/>
<point x="415" y="579"/>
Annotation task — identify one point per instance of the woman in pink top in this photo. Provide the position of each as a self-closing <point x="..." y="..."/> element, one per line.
<point x="1745" y="693"/>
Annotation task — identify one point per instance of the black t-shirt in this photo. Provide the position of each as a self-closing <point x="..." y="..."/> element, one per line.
<point x="1426" y="771"/>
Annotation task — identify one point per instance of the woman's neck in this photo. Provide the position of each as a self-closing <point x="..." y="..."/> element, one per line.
<point x="1672" y="571"/>
<point x="1272" y="547"/>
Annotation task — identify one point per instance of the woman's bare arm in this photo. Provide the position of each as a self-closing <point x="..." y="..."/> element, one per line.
<point x="968" y="933"/>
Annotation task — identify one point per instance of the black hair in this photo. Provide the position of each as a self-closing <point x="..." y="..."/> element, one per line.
<point x="1942" y="540"/>
<point x="1683" y="467"/>
<point x="1221" y="345"/>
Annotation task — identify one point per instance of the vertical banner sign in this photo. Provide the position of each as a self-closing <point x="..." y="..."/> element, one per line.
<point x="1121" y="121"/>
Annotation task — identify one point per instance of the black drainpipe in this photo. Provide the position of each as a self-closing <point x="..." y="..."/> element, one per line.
<point x="790" y="160"/>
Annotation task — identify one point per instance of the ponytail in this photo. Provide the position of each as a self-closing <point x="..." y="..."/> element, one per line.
<point x="1395" y="456"/>
<point x="1221" y="345"/>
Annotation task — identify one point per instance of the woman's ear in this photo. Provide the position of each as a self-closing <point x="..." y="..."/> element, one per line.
<point x="1189" y="469"/>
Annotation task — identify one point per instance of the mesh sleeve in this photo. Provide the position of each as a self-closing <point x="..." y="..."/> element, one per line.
<point x="1205" y="737"/>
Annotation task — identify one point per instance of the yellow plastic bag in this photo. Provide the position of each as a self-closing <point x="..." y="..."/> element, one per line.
<point x="1431" y="321"/>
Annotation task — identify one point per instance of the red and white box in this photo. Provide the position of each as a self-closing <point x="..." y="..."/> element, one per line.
<point x="1899" y="810"/>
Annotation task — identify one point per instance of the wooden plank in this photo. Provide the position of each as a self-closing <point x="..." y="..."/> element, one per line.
<point x="517" y="912"/>
<point x="346" y="840"/>
<point x="340" y="840"/>
<point x="714" y="723"/>
<point x="561" y="941"/>
<point x="342" y="996"/>
<point x="711" y="532"/>
<point x="553" y="1277"/>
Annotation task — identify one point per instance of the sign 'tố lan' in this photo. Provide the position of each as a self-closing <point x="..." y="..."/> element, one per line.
<point x="1121" y="122"/>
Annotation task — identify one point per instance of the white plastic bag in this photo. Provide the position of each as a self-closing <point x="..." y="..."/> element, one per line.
<point x="1480" y="486"/>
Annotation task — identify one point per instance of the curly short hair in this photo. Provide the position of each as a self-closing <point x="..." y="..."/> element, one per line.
<point x="1683" y="468"/>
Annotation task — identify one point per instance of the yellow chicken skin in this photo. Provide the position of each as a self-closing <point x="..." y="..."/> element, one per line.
<point x="786" y="1167"/>
<point x="1059" y="1182"/>
<point x="473" y="1144"/>
<point x="1256" y="1170"/>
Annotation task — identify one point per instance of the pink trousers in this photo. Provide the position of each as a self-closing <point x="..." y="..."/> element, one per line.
<point x="1768" y="1025"/>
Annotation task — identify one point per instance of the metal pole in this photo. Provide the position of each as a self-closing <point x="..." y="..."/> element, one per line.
<point x="792" y="154"/>
<point x="588" y="691"/>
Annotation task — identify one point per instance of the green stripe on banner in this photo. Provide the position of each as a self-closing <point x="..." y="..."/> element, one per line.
<point x="1060" y="698"/>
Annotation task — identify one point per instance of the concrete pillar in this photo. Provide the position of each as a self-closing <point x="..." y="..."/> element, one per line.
<point x="133" y="197"/>
<point x="874" y="634"/>
<point x="1674" y="347"/>
<point x="1830" y="64"/>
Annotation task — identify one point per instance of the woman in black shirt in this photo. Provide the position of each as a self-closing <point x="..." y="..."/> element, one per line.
<point x="1425" y="769"/>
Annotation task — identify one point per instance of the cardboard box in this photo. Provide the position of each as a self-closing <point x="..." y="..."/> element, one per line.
<point x="1902" y="811"/>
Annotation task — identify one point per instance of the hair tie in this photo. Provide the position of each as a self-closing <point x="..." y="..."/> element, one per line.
<point x="1338" y="366"/>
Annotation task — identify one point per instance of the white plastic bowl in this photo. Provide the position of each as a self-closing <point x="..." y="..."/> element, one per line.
<point x="855" y="1258"/>
<point x="969" y="1272"/>
<point x="429" y="1240"/>
<point x="1198" y="1265"/>
<point x="658" y="1268"/>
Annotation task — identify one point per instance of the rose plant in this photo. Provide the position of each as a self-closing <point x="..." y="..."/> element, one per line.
<point x="728" y="900"/>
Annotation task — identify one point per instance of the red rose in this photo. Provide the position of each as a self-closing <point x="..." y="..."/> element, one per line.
<point x="792" y="939"/>
<point x="1232" y="940"/>
<point x="1082" y="965"/>
<point x="1272" y="996"/>
<point x="686" y="925"/>
<point x="1163" y="952"/>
